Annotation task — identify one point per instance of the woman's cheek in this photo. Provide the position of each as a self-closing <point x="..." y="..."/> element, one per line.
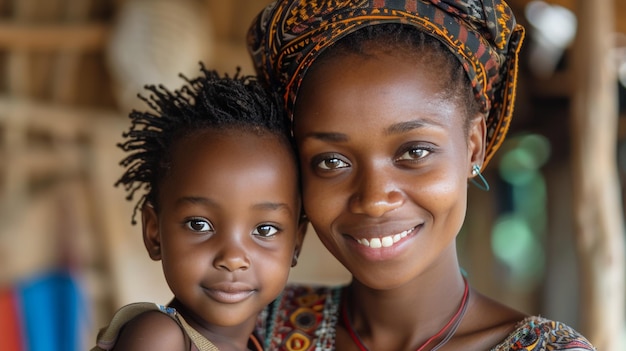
<point x="320" y="200"/>
<point x="313" y="193"/>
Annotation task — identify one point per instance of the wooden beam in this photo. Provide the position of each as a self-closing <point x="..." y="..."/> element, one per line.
<point x="61" y="120"/>
<point x="67" y="66"/>
<point x="53" y="37"/>
<point x="598" y="213"/>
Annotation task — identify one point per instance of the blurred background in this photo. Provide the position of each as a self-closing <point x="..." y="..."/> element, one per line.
<point x="548" y="238"/>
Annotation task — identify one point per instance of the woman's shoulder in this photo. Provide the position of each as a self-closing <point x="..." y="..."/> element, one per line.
<point x="536" y="333"/>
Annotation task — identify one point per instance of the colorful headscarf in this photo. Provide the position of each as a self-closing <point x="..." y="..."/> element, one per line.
<point x="286" y="38"/>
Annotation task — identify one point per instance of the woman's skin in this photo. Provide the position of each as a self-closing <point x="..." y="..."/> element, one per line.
<point x="386" y="156"/>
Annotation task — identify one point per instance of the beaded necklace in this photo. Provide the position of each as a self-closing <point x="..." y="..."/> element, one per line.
<point x="450" y="327"/>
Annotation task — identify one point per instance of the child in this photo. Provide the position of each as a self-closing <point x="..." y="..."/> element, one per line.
<point x="221" y="213"/>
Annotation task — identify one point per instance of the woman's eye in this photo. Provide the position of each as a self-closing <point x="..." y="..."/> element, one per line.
<point x="199" y="225"/>
<point x="331" y="163"/>
<point x="265" y="230"/>
<point x="414" y="153"/>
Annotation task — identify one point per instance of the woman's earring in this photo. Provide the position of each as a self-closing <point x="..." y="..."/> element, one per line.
<point x="294" y="260"/>
<point x="481" y="183"/>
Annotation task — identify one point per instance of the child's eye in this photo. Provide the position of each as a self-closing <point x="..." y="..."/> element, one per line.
<point x="265" y="230"/>
<point x="330" y="162"/>
<point x="414" y="153"/>
<point x="199" y="225"/>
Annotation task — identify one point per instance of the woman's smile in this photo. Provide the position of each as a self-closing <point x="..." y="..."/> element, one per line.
<point x="378" y="248"/>
<point x="385" y="241"/>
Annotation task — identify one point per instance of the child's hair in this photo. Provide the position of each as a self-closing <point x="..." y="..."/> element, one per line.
<point x="208" y="101"/>
<point x="423" y="48"/>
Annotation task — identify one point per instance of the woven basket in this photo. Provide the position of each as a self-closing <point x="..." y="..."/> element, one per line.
<point x="152" y="41"/>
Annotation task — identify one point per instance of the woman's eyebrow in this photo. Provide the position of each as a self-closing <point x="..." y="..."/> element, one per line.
<point x="327" y="136"/>
<point x="272" y="206"/>
<point x="397" y="128"/>
<point x="404" y="127"/>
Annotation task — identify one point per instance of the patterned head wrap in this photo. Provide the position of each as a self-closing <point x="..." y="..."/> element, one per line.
<point x="286" y="38"/>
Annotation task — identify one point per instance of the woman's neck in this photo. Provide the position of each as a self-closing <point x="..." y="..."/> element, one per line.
<point x="412" y="312"/>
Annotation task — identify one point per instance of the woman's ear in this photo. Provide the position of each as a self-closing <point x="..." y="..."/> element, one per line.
<point x="151" y="233"/>
<point x="476" y="140"/>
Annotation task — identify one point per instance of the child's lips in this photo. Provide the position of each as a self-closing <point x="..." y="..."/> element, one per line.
<point x="229" y="292"/>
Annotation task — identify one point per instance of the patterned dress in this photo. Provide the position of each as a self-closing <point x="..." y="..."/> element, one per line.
<point x="303" y="318"/>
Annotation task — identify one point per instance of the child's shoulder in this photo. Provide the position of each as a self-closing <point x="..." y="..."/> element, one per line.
<point x="151" y="330"/>
<point x="537" y="333"/>
<point x="135" y="327"/>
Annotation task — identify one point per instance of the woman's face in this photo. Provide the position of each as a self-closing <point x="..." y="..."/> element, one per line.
<point x="385" y="161"/>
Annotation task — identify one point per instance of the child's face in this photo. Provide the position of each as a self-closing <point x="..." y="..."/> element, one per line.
<point x="385" y="163"/>
<point x="228" y="225"/>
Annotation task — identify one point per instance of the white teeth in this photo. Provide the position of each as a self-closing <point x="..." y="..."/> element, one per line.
<point x="386" y="241"/>
<point x="375" y="243"/>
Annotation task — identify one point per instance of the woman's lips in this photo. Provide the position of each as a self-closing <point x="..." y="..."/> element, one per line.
<point x="385" y="241"/>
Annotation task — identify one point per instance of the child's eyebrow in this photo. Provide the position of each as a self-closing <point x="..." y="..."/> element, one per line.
<point x="196" y="200"/>
<point x="273" y="206"/>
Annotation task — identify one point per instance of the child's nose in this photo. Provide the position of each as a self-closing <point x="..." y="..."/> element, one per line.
<point x="231" y="257"/>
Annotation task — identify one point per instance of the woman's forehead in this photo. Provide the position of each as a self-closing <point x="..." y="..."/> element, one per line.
<point x="383" y="82"/>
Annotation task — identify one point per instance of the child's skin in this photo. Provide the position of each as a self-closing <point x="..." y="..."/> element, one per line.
<point x="226" y="232"/>
<point x="385" y="151"/>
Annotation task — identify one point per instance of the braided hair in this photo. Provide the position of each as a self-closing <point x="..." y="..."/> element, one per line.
<point x="208" y="101"/>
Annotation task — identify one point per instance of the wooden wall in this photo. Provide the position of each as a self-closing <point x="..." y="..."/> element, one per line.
<point x="69" y="76"/>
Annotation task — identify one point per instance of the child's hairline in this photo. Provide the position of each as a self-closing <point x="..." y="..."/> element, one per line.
<point x="211" y="100"/>
<point x="235" y="131"/>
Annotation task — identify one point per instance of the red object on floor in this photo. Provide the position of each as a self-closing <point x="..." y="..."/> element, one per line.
<point x="11" y="338"/>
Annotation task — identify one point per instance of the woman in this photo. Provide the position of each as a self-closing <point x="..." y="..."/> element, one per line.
<point x="395" y="106"/>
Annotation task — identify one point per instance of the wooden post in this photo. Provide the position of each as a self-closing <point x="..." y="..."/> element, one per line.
<point x="598" y="213"/>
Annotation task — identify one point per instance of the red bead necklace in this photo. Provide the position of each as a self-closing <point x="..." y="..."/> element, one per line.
<point x="451" y="326"/>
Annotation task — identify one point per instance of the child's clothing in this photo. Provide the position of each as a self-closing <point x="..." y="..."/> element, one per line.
<point x="194" y="341"/>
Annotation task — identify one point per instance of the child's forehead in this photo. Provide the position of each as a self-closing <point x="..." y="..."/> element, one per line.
<point x="242" y="146"/>
<point x="234" y="169"/>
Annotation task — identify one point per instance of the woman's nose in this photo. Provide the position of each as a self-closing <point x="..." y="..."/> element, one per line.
<point x="231" y="256"/>
<point x="376" y="193"/>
